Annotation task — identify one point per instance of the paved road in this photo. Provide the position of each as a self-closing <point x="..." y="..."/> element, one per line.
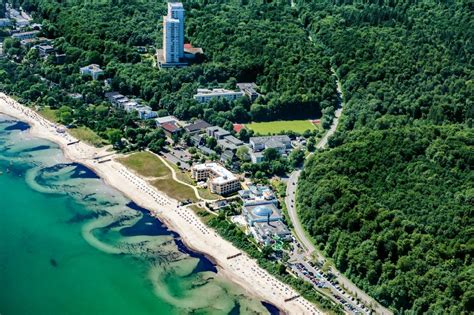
<point x="300" y="232"/>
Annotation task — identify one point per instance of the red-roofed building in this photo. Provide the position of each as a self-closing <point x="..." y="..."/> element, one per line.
<point x="191" y="51"/>
<point x="238" y="127"/>
<point x="170" y="128"/>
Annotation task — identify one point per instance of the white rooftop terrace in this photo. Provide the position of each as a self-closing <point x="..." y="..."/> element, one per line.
<point x="223" y="174"/>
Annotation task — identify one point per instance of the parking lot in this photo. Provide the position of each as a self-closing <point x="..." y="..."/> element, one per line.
<point x="322" y="281"/>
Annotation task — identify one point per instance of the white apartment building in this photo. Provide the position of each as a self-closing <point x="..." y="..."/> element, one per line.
<point x="205" y="95"/>
<point x="221" y="181"/>
<point x="173" y="33"/>
<point x="25" y="35"/>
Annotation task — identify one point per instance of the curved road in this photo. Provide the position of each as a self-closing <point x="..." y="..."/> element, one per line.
<point x="299" y="230"/>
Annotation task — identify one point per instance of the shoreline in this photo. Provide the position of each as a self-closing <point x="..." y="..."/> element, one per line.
<point x="241" y="270"/>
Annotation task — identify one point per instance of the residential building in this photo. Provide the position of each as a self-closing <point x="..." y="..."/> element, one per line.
<point x="92" y="70"/>
<point x="220" y="180"/>
<point x="169" y="128"/>
<point x="45" y="50"/>
<point x="196" y="127"/>
<point x="59" y="58"/>
<point x="249" y="89"/>
<point x="76" y="96"/>
<point x="5" y="22"/>
<point x="113" y="97"/>
<point x="144" y="112"/>
<point x="281" y="143"/>
<point x="124" y="103"/>
<point x="217" y="132"/>
<point x="166" y="119"/>
<point x="172" y="54"/>
<point x="256" y="157"/>
<point x="191" y="52"/>
<point x="205" y="95"/>
<point x="25" y="35"/>
<point x="230" y="143"/>
<point x="197" y="139"/>
<point x="206" y="151"/>
<point x="227" y="156"/>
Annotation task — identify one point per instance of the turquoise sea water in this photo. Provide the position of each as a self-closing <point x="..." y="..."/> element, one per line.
<point x="69" y="244"/>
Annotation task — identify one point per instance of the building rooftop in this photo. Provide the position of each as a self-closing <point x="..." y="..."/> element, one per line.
<point x="206" y="150"/>
<point x="249" y="89"/>
<point x="197" y="126"/>
<point x="175" y="5"/>
<point x="188" y="48"/>
<point x="46" y="47"/>
<point x="170" y="127"/>
<point x="222" y="175"/>
<point x="32" y="33"/>
<point x="214" y="91"/>
<point x="227" y="155"/>
<point x="166" y="119"/>
<point x="233" y="140"/>
<point x="238" y="127"/>
<point x="273" y="144"/>
<point x="276" y="228"/>
<point x="262" y="211"/>
<point x="265" y="139"/>
<point x="257" y="193"/>
<point x="92" y="67"/>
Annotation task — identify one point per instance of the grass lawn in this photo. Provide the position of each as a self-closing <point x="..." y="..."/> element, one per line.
<point x="186" y="178"/>
<point x="206" y="194"/>
<point x="146" y="164"/>
<point x="87" y="135"/>
<point x="276" y="127"/>
<point x="49" y="114"/>
<point x="174" y="189"/>
<point x="182" y="176"/>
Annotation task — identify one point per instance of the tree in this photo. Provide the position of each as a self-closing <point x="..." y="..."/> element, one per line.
<point x="311" y="144"/>
<point x="296" y="157"/>
<point x="115" y="137"/>
<point x="271" y="154"/>
<point x="211" y="142"/>
<point x="242" y="153"/>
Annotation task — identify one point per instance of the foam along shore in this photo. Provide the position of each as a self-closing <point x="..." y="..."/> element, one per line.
<point x="241" y="270"/>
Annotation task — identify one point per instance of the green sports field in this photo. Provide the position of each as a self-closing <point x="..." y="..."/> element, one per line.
<point x="275" y="127"/>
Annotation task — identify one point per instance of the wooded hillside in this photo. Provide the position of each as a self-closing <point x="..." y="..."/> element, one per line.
<point x="392" y="201"/>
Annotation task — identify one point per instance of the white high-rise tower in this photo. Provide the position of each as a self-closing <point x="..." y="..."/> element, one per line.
<point x="173" y="33"/>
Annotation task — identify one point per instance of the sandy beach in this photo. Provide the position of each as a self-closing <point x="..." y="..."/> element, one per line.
<point x="241" y="270"/>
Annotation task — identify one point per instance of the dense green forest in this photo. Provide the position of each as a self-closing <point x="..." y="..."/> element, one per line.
<point x="261" y="42"/>
<point x="392" y="200"/>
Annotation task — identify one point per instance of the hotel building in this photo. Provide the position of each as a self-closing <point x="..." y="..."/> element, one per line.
<point x="173" y="33"/>
<point x="221" y="181"/>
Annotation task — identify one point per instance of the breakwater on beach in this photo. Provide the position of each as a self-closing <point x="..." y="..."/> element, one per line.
<point x="70" y="244"/>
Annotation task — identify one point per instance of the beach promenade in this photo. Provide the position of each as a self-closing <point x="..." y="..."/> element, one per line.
<point x="241" y="269"/>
